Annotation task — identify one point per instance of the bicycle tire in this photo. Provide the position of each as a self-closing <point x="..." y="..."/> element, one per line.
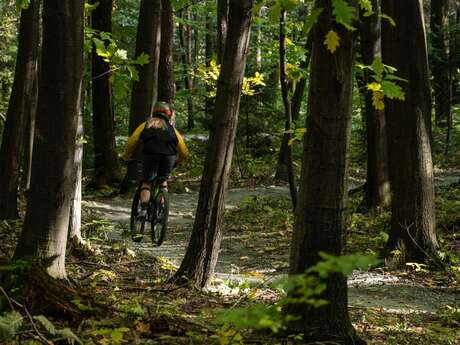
<point x="135" y="223"/>
<point x="159" y="223"/>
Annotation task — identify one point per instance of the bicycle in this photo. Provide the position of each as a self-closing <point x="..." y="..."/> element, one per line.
<point x="157" y="214"/>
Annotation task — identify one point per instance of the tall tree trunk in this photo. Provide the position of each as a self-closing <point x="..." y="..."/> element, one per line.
<point x="287" y="109"/>
<point x="209" y="53"/>
<point x="75" y="201"/>
<point x="144" y="91"/>
<point x="411" y="168"/>
<point x="185" y="38"/>
<point x="21" y="99"/>
<point x="377" y="182"/>
<point x="44" y="235"/>
<point x="165" y="69"/>
<point x="222" y="28"/>
<point x="29" y="135"/>
<point x="440" y="61"/>
<point x="319" y="217"/>
<point x="106" y="167"/>
<point x="202" y="252"/>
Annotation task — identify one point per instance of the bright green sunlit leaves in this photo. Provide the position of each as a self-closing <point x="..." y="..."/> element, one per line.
<point x="384" y="84"/>
<point x="22" y="5"/>
<point x="344" y="13"/>
<point x="210" y="74"/>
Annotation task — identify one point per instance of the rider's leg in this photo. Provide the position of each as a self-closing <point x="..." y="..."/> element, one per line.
<point x="165" y="168"/>
<point x="150" y="170"/>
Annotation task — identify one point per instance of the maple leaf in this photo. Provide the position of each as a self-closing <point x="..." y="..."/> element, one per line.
<point x="332" y="41"/>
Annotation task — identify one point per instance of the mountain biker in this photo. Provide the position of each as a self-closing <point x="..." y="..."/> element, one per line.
<point x="163" y="147"/>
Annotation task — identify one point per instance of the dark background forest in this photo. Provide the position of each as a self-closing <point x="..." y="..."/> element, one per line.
<point x="320" y="202"/>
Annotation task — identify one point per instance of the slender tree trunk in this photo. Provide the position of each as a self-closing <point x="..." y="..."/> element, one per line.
<point x="75" y="235"/>
<point x="377" y="182"/>
<point x="185" y="38"/>
<point x="20" y="104"/>
<point x="222" y="28"/>
<point x="296" y="102"/>
<point x="29" y="135"/>
<point x="411" y="169"/>
<point x="319" y="218"/>
<point x="201" y="256"/>
<point x="165" y="70"/>
<point x="440" y="61"/>
<point x="144" y="91"/>
<point x="287" y="109"/>
<point x="45" y="230"/>
<point x="106" y="167"/>
<point x="209" y="53"/>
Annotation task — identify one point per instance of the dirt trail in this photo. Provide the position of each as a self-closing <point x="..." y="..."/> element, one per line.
<point x="367" y="289"/>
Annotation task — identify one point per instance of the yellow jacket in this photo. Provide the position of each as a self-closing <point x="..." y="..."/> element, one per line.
<point x="133" y="141"/>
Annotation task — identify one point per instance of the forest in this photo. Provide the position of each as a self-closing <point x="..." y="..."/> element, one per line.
<point x="230" y="172"/>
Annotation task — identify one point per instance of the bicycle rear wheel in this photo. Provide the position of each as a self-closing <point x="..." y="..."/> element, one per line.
<point x="137" y="225"/>
<point x="160" y="216"/>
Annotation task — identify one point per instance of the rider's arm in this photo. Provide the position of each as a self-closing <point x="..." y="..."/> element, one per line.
<point x="133" y="140"/>
<point x="182" y="150"/>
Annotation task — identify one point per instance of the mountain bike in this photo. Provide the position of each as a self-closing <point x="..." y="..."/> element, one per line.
<point x="156" y="217"/>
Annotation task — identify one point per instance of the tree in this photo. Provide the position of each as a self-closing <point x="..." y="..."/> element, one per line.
<point x="440" y="62"/>
<point x="165" y="71"/>
<point x="19" y="108"/>
<point x="185" y="39"/>
<point x="222" y="28"/>
<point x="287" y="109"/>
<point x="144" y="91"/>
<point x="411" y="168"/>
<point x="202" y="252"/>
<point x="106" y="167"/>
<point x="377" y="181"/>
<point x="319" y="217"/>
<point x="44" y="235"/>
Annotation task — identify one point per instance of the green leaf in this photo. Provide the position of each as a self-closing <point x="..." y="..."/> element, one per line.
<point x="344" y="13"/>
<point x="142" y="59"/>
<point x="47" y="324"/>
<point x="366" y="6"/>
<point x="392" y="90"/>
<point x="377" y="67"/>
<point x="274" y="12"/>
<point x="387" y="17"/>
<point x="22" y="5"/>
<point x="10" y="323"/>
<point x="67" y="334"/>
<point x="311" y="20"/>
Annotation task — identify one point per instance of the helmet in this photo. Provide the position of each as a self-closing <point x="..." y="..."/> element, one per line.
<point x="162" y="109"/>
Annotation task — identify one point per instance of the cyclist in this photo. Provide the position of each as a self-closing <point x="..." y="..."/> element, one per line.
<point x="163" y="147"/>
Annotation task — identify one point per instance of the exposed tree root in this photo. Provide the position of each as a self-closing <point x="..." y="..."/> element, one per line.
<point x="32" y="287"/>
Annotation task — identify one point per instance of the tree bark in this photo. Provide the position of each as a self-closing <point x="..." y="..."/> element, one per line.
<point x="202" y="252"/>
<point x="144" y="91"/>
<point x="377" y="181"/>
<point x="411" y="168"/>
<point x="75" y="235"/>
<point x="222" y="28"/>
<point x="440" y="61"/>
<point x="165" y="70"/>
<point x="319" y="217"/>
<point x="20" y="104"/>
<point x="44" y="235"/>
<point x="209" y="54"/>
<point x="287" y="109"/>
<point x="106" y="167"/>
<point x="185" y="38"/>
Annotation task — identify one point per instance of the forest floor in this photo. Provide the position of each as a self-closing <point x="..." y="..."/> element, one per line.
<point x="413" y="306"/>
<point x="417" y="305"/>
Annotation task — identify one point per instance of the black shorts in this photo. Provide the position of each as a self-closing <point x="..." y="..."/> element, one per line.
<point x="158" y="165"/>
